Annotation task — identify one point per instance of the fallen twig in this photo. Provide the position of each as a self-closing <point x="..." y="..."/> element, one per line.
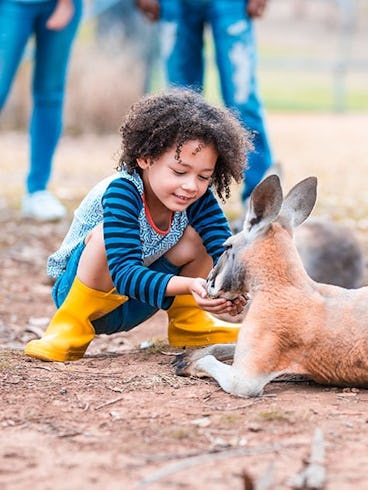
<point x="266" y="480"/>
<point x="313" y="476"/>
<point x="38" y="331"/>
<point x="171" y="354"/>
<point x="111" y="402"/>
<point x="207" y="457"/>
<point x="236" y="407"/>
<point x="46" y="368"/>
<point x="263" y="482"/>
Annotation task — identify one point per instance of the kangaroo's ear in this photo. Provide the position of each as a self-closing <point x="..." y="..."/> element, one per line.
<point x="299" y="202"/>
<point x="264" y="204"/>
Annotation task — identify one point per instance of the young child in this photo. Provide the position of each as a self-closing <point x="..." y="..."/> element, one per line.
<point x="146" y="237"/>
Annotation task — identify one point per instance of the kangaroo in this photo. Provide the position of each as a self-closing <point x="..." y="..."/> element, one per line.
<point x="331" y="252"/>
<point x="292" y="324"/>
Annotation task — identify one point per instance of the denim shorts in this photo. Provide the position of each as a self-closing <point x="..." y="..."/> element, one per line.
<point x="124" y="317"/>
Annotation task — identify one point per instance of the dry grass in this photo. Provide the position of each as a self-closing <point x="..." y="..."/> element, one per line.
<point x="332" y="147"/>
<point x="102" y="85"/>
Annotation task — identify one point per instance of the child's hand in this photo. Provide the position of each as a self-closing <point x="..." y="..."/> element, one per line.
<point x="217" y="306"/>
<point x="238" y="305"/>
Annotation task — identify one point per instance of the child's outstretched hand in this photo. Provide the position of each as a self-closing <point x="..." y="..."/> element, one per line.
<point x="217" y="306"/>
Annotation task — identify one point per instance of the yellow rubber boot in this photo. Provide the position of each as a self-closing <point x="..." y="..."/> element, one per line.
<point x="70" y="330"/>
<point x="190" y="326"/>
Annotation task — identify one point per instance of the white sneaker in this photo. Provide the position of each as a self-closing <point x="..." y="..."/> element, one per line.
<point x="43" y="206"/>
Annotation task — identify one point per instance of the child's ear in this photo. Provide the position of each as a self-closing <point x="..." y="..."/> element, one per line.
<point x="143" y="163"/>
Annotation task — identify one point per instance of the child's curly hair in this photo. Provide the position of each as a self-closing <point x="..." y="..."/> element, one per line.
<point x="157" y="122"/>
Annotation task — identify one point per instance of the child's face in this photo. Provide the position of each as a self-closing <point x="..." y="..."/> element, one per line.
<point x="179" y="183"/>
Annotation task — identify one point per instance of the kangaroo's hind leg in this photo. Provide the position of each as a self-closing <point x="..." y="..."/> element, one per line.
<point x="206" y="362"/>
<point x="256" y="361"/>
<point x="183" y="362"/>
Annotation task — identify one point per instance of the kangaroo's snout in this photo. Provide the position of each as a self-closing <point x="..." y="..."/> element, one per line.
<point x="222" y="284"/>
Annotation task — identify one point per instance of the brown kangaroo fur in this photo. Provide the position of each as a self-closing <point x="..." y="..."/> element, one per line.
<point x="292" y="323"/>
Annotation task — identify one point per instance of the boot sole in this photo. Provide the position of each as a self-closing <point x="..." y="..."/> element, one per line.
<point x="52" y="356"/>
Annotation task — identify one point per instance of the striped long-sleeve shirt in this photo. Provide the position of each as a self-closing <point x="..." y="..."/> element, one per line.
<point x="130" y="241"/>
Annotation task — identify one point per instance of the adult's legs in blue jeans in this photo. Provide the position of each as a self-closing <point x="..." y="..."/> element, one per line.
<point x="184" y="61"/>
<point x="48" y="86"/>
<point x="236" y="57"/>
<point x="16" y="24"/>
<point x="18" y="21"/>
<point x="183" y="24"/>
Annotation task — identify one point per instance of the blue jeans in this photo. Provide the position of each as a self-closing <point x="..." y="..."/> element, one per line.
<point x="18" y="22"/>
<point x="124" y="317"/>
<point x="182" y="30"/>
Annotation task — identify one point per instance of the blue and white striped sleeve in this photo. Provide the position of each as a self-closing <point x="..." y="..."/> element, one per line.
<point x="208" y="219"/>
<point x="122" y="204"/>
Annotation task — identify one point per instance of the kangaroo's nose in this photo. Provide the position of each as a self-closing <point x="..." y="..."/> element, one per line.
<point x="210" y="286"/>
<point x="210" y="283"/>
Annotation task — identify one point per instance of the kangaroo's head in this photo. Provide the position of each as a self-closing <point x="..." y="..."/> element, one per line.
<point x="256" y="246"/>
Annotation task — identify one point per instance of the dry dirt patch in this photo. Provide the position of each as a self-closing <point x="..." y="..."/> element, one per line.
<point x="125" y="421"/>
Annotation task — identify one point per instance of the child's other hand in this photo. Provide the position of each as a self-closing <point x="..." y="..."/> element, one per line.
<point x="238" y="305"/>
<point x="198" y="288"/>
<point x="216" y="306"/>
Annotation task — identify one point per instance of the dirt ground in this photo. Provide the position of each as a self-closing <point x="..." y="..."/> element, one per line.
<point x="120" y="418"/>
